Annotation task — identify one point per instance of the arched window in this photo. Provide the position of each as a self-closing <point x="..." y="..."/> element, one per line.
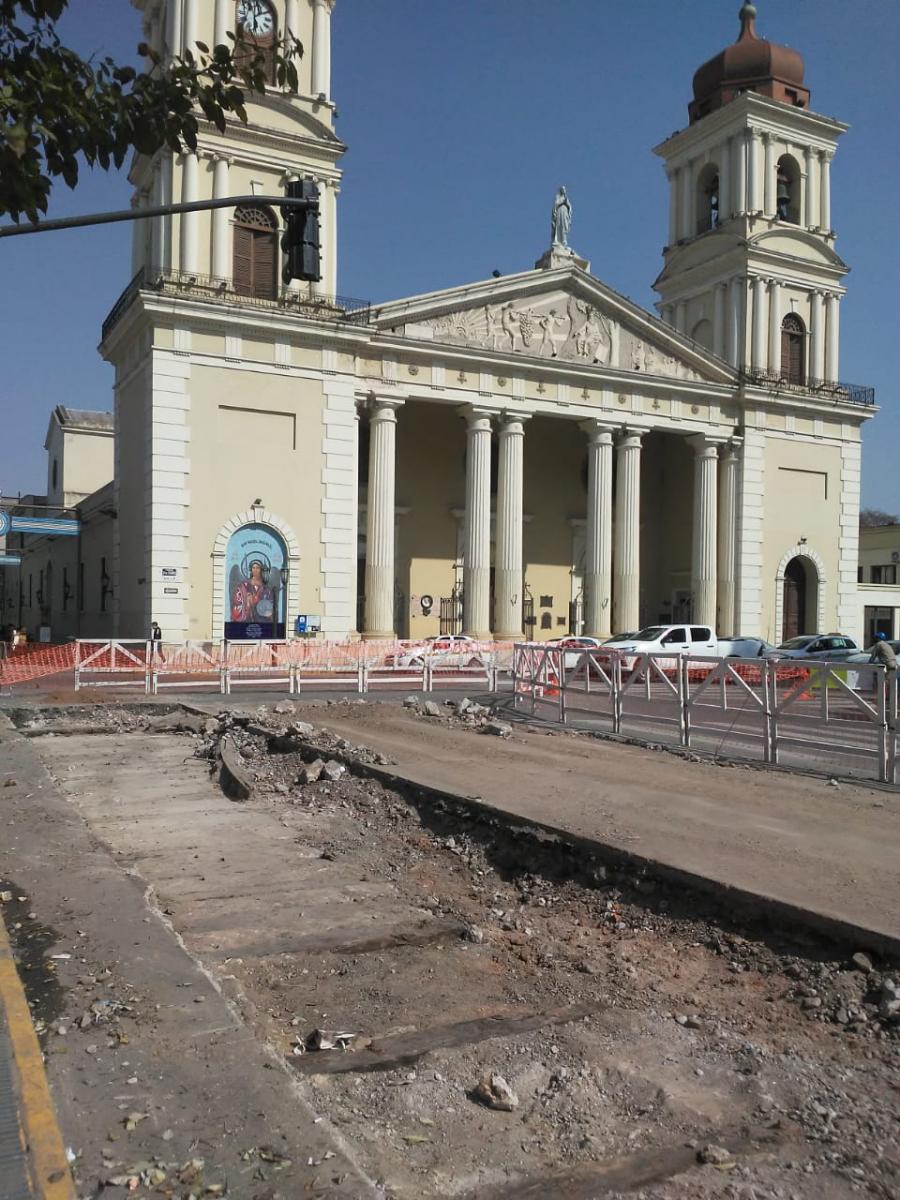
<point x="255" y="251"/>
<point x="793" y="349"/>
<point x="257" y="25"/>
<point x="787" y="190"/>
<point x="703" y="333"/>
<point x="708" y="198"/>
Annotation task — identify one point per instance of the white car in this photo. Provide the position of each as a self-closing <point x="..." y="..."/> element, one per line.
<point x="828" y="647"/>
<point x="446" y="650"/>
<point x="743" y="647"/>
<point x="670" y="639"/>
<point x="574" y="645"/>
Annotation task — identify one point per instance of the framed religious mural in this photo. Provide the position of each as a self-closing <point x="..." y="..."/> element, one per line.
<point x="256" y="579"/>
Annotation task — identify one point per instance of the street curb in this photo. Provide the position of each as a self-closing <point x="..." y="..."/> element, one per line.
<point x="42" y="1140"/>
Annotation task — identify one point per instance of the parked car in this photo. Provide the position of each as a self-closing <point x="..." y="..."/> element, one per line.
<point x="445" y="650"/>
<point x="743" y="647"/>
<point x="828" y="647"/>
<point x="670" y="639"/>
<point x="575" y="644"/>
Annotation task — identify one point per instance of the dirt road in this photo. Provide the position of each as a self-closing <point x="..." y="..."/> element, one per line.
<point x="830" y="849"/>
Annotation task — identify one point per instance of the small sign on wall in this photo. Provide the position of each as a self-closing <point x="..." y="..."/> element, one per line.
<point x="169" y="574"/>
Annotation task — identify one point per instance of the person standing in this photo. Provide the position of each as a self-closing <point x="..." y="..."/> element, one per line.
<point x="156" y="641"/>
<point x="883" y="652"/>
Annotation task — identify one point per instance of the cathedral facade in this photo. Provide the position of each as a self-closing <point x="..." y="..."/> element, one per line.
<point x="520" y="456"/>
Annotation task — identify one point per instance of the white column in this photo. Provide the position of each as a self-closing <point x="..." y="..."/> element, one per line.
<point x="329" y="238"/>
<point x="291" y="25"/>
<point x="758" y="344"/>
<point x="719" y="319"/>
<point x="599" y="532"/>
<point x="321" y="48"/>
<point x="477" y="539"/>
<point x="774" y="326"/>
<point x="726" y="559"/>
<point x="769" y="173"/>
<point x="221" y="220"/>
<point x="815" y="369"/>
<point x="223" y="23"/>
<point x="735" y="339"/>
<point x="725" y="205"/>
<point x="739" y="204"/>
<point x="705" y="539"/>
<point x="174" y="23"/>
<point x="680" y="315"/>
<point x="754" y="203"/>
<point x="673" y="205"/>
<point x="189" y="248"/>
<point x="832" y="336"/>
<point x="687" y="201"/>
<point x="812" y="178"/>
<point x="508" y="554"/>
<point x="380" y="519"/>
<point x="825" y="157"/>
<point x="162" y="226"/>
<point x="190" y="25"/>
<point x="627" y="561"/>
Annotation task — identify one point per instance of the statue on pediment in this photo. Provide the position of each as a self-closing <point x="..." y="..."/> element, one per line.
<point x="561" y="219"/>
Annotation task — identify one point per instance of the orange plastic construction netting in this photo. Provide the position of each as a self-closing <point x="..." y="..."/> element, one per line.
<point x="32" y="662"/>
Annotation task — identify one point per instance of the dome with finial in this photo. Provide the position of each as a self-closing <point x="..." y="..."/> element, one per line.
<point x="751" y="64"/>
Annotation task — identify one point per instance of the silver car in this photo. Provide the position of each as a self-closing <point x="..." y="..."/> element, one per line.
<point x="828" y="647"/>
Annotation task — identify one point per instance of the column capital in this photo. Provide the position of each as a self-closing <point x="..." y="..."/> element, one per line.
<point x="729" y="450"/>
<point x="768" y="136"/>
<point x="825" y="155"/>
<point x="477" y="417"/>
<point x="506" y="420"/>
<point x="599" y="432"/>
<point x="384" y="408"/>
<point x="722" y="285"/>
<point x="630" y="436"/>
<point x="705" y="445"/>
<point x="219" y="156"/>
<point x="753" y="133"/>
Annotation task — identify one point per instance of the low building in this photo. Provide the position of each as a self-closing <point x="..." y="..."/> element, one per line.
<point x="879" y="582"/>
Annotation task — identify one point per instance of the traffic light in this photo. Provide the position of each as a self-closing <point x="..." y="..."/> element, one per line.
<point x="300" y="241"/>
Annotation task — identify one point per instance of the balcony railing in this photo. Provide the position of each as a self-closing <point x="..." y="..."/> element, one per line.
<point x="206" y="287"/>
<point x="823" y="389"/>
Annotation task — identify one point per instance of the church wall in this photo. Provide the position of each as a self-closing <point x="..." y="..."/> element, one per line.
<point x="431" y="483"/>
<point x="802" y="501"/>
<point x="554" y="493"/>
<point x="254" y="435"/>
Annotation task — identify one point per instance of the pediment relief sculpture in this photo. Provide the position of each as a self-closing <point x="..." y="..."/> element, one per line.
<point x="558" y="327"/>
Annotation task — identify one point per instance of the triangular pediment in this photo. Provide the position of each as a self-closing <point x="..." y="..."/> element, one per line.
<point x="563" y="316"/>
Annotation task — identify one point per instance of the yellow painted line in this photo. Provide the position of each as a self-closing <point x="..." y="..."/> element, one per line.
<point x="46" y="1154"/>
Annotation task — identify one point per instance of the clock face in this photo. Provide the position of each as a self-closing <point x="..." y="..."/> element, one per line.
<point x="255" y="17"/>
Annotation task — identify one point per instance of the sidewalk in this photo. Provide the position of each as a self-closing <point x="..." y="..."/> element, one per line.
<point x="827" y="856"/>
<point x="33" y="1162"/>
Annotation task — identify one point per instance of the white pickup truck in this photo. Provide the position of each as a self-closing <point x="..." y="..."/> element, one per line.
<point x="671" y="639"/>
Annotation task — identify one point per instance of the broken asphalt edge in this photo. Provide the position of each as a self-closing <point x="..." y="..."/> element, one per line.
<point x="752" y="905"/>
<point x="45" y="1152"/>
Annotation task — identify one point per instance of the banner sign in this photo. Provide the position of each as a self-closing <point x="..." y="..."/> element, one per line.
<point x="256" y="600"/>
<point x="57" y="526"/>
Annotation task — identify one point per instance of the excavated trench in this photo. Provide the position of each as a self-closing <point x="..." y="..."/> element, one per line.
<point x="400" y="949"/>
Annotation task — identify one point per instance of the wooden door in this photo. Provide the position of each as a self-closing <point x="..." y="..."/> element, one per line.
<point x="794" y="600"/>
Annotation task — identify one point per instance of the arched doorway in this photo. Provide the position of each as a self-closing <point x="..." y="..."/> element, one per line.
<point x="256" y="579"/>
<point x="793" y="349"/>
<point x="795" y="608"/>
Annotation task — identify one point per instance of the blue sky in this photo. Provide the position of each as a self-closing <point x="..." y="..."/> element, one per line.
<point x="462" y="116"/>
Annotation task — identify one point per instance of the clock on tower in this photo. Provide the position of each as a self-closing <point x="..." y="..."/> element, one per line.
<point x="257" y="25"/>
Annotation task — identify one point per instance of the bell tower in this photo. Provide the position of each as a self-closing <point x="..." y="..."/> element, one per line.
<point x="288" y="135"/>
<point x="751" y="270"/>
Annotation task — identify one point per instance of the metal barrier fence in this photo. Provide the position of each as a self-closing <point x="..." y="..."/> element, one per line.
<point x="831" y="716"/>
<point x="295" y="665"/>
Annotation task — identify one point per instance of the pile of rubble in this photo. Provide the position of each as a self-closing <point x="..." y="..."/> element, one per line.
<point x="463" y="714"/>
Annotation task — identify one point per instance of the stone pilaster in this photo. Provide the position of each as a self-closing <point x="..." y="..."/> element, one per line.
<point x="477" y="542"/>
<point x="221" y="220"/>
<point x="598" y="532"/>
<point x="774" y="325"/>
<point x="704" y="540"/>
<point x="508" y="573"/>
<point x="321" y="48"/>
<point x="758" y="328"/>
<point x="189" y="247"/>
<point x="627" y="562"/>
<point x="380" y="519"/>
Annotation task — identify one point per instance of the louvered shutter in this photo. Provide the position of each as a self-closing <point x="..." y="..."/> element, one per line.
<point x="243" y="260"/>
<point x="264" y="253"/>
